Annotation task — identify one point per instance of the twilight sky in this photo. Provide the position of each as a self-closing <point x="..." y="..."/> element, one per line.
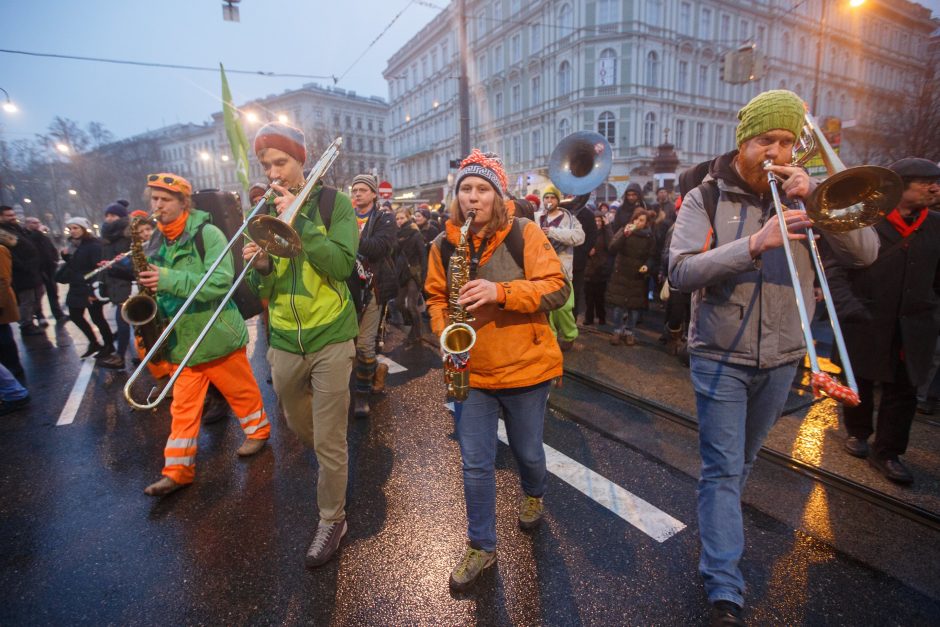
<point x="315" y="37"/>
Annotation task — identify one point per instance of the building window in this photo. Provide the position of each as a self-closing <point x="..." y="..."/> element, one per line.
<point x="607" y="11"/>
<point x="725" y="28"/>
<point x="565" y="20"/>
<point x="607" y="68"/>
<point x="786" y="46"/>
<point x="498" y="105"/>
<point x="649" y="129"/>
<point x="381" y="125"/>
<point x="564" y="129"/>
<point x="607" y="127"/>
<point x="481" y="66"/>
<point x="654" y="12"/>
<point x="535" y="38"/>
<point x="516" y="103"/>
<point x="685" y="18"/>
<point x="745" y="30"/>
<point x="516" y="149"/>
<point x="652" y="69"/>
<point x="699" y="136"/>
<point x="348" y="121"/>
<point x="536" y="90"/>
<point x="336" y="120"/>
<point x="514" y="6"/>
<point x="433" y="61"/>
<point x="369" y="124"/>
<point x="498" y="59"/>
<point x="564" y="78"/>
<point x="680" y="134"/>
<point x="536" y="144"/>
<point x="371" y="145"/>
<point x="719" y="139"/>
<point x="703" y="80"/>
<point x="705" y="24"/>
<point x="515" y="48"/>
<point x="358" y="124"/>
<point x="682" y="77"/>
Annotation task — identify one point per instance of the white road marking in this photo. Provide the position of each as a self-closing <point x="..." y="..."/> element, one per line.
<point x="654" y="522"/>
<point x="393" y="367"/>
<point x="78" y="393"/>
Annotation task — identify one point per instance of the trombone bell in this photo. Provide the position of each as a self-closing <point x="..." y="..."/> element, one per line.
<point x="275" y="236"/>
<point x="855" y="198"/>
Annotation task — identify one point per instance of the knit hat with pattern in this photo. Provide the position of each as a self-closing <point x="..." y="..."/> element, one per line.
<point x="283" y="137"/>
<point x="368" y="180"/>
<point x="485" y="165"/>
<point x="769" y="111"/>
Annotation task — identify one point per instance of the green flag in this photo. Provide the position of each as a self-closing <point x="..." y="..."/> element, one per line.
<point x="236" y="134"/>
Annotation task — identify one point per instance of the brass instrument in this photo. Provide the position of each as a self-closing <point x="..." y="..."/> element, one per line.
<point x="274" y="235"/>
<point x="458" y="337"/>
<point x="851" y="198"/>
<point x="141" y="310"/>
<point x="580" y="163"/>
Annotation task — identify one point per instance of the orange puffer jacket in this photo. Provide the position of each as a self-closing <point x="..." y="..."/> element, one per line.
<point x="515" y="346"/>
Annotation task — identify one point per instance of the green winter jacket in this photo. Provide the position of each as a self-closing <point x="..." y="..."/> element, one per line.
<point x="309" y="305"/>
<point x="181" y="269"/>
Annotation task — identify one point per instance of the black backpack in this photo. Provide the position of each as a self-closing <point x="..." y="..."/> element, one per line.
<point x="515" y="243"/>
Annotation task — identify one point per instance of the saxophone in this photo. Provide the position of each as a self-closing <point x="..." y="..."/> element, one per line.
<point x="458" y="337"/>
<point x="140" y="310"/>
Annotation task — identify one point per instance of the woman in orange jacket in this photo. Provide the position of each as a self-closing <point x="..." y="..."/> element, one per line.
<point x="516" y="279"/>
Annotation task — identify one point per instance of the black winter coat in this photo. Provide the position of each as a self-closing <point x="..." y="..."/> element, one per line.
<point x="429" y="231"/>
<point x="586" y="217"/>
<point x="597" y="269"/>
<point x="26" y="259"/>
<point x="377" y="243"/>
<point x="81" y="261"/>
<point x="412" y="258"/>
<point x="892" y="305"/>
<point x="48" y="255"/>
<point x="627" y="287"/>
<point x="116" y="240"/>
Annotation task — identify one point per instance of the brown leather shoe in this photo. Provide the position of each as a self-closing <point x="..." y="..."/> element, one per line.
<point x="629" y="339"/>
<point x="249" y="447"/>
<point x="163" y="487"/>
<point x="616" y="339"/>
<point x="378" y="380"/>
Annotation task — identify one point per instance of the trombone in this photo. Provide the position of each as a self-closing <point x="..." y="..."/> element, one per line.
<point x="274" y="235"/>
<point x="849" y="199"/>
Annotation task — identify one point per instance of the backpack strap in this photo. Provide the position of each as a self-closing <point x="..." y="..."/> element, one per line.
<point x="515" y="243"/>
<point x="200" y="244"/>
<point x="710" y="192"/>
<point x="325" y="205"/>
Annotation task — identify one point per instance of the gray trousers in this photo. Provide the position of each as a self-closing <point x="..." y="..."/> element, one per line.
<point x="29" y="304"/>
<point x="314" y="392"/>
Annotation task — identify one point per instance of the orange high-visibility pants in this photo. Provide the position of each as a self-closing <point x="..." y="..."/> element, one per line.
<point x="232" y="375"/>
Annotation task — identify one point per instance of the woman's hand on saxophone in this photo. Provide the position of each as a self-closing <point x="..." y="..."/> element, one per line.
<point x="261" y="263"/>
<point x="477" y="293"/>
<point x="149" y="278"/>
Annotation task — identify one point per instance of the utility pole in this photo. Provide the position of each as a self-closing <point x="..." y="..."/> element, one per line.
<point x="819" y="51"/>
<point x="463" y="86"/>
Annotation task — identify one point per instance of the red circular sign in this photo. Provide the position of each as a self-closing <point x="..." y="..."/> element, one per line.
<point x="385" y="190"/>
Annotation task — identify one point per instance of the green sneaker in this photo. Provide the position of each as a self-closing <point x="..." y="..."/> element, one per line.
<point x="530" y="512"/>
<point x="471" y="565"/>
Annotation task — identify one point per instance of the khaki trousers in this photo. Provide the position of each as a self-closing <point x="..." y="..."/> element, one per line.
<point x="314" y="392"/>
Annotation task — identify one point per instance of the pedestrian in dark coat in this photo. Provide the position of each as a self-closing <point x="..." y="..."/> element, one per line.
<point x="585" y="216"/>
<point x="626" y="292"/>
<point x="116" y="240"/>
<point x="27" y="280"/>
<point x="49" y="262"/>
<point x="82" y="257"/>
<point x="9" y="311"/>
<point x="412" y="264"/>
<point x="597" y="273"/>
<point x="632" y="200"/>
<point x="428" y="227"/>
<point x="890" y="317"/>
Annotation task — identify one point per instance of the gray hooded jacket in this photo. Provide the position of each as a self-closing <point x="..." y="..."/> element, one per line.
<point x="743" y="309"/>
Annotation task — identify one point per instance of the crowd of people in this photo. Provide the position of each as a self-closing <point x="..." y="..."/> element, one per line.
<point x="537" y="269"/>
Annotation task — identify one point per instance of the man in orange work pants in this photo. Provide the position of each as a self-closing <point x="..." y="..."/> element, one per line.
<point x="177" y="264"/>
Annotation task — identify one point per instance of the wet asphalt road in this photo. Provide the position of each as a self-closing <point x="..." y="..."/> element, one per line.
<point x="81" y="544"/>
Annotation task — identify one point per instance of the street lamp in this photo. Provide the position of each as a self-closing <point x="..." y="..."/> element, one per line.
<point x="252" y="117"/>
<point x="72" y="192"/>
<point x="8" y="106"/>
<point x="27" y="200"/>
<point x="224" y="157"/>
<point x="819" y="47"/>
<point x="282" y="119"/>
<point x="63" y="148"/>
<point x="204" y="156"/>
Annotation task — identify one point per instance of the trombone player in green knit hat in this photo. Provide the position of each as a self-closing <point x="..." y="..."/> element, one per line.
<point x="745" y="338"/>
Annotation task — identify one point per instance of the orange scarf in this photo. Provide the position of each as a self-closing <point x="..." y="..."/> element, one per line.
<point x="175" y="228"/>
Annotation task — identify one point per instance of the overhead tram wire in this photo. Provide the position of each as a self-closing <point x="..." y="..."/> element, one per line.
<point x="374" y="41"/>
<point x="172" y="66"/>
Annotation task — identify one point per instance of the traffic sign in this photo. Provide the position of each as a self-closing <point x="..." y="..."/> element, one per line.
<point x="385" y="190"/>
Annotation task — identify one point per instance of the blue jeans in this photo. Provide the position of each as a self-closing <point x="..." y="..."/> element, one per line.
<point x="626" y="319"/>
<point x="524" y="410"/>
<point x="737" y="406"/>
<point x="10" y="388"/>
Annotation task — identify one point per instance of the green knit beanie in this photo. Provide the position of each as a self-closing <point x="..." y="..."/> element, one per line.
<point x="771" y="110"/>
<point x="551" y="189"/>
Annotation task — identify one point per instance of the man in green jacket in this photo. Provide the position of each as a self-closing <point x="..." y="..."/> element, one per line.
<point x="312" y="324"/>
<point x="177" y="263"/>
